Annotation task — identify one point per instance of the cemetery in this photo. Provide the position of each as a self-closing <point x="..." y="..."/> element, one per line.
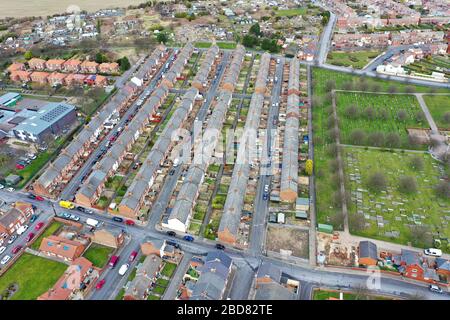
<point x="388" y="210"/>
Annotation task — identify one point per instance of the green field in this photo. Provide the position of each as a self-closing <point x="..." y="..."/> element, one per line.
<point x="221" y="45"/>
<point x="291" y="12"/>
<point x="357" y="59"/>
<point x="98" y="254"/>
<point x="384" y="119"/>
<point x="326" y="188"/>
<point x="33" y="276"/>
<point x="169" y="269"/>
<point x="51" y="229"/>
<point x="439" y="106"/>
<point x="390" y="214"/>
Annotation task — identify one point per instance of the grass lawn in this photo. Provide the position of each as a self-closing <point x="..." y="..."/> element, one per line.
<point x="120" y="294"/>
<point x="162" y="282"/>
<point x="159" y="290"/>
<point x="33" y="275"/>
<point x="153" y="297"/>
<point x="169" y="269"/>
<point x="391" y="104"/>
<point x="438" y="106"/>
<point x="98" y="254"/>
<point x="325" y="294"/>
<point x="357" y="59"/>
<point x="221" y="45"/>
<point x="291" y="12"/>
<point x="388" y="215"/>
<point x="51" y="229"/>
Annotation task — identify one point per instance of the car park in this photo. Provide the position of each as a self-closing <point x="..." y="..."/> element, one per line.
<point x="16" y="249"/>
<point x="5" y="259"/>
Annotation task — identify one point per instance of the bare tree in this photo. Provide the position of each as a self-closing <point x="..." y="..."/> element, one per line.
<point x="402" y="115"/>
<point x="417" y="163"/>
<point x="348" y="85"/>
<point x="357" y="222"/>
<point x="330" y="85"/>
<point x="383" y="114"/>
<point x="361" y="292"/>
<point x="369" y="113"/>
<point x="352" y="112"/>
<point x="421" y="235"/>
<point x="392" y="89"/>
<point x="446" y="117"/>
<point x="376" y="87"/>
<point x="420" y="116"/>
<point x="375" y="139"/>
<point x="443" y="189"/>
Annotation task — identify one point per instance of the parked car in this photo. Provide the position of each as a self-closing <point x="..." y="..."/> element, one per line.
<point x="133" y="256"/>
<point x="39" y="226"/>
<point x="30" y="236"/>
<point x="10" y="189"/>
<point x="12" y="239"/>
<point x="2" y="186"/>
<point x="5" y="259"/>
<point x="435" y="288"/>
<point x="39" y="198"/>
<point x="188" y="238"/>
<point x="123" y="269"/>
<point x="171" y="233"/>
<point x="20" y="166"/>
<point x="82" y="209"/>
<point x="2" y="249"/>
<point x="173" y="243"/>
<point x="74" y="217"/>
<point x="220" y="246"/>
<point x="22" y="229"/>
<point x="129" y="222"/>
<point x="33" y="218"/>
<point x="117" y="219"/>
<point x="113" y="261"/>
<point x="31" y="196"/>
<point x="16" y="249"/>
<point x="433" y="252"/>
<point x="100" y="284"/>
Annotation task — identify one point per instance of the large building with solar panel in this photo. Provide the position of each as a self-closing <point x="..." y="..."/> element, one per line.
<point x="51" y="119"/>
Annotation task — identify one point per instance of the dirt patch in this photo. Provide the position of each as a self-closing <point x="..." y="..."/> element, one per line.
<point x="288" y="239"/>
<point x="337" y="250"/>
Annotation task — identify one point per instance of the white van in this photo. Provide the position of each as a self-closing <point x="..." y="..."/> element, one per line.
<point x="123" y="269"/>
<point x="92" y="222"/>
<point x="433" y="252"/>
<point x="22" y="229"/>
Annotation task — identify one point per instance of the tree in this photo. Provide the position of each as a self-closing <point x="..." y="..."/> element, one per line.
<point x="410" y="89"/>
<point x="255" y="29"/>
<point x="124" y="64"/>
<point x="357" y="137"/>
<point x="369" y="113"/>
<point x="348" y="85"/>
<point x="420" y="116"/>
<point x="402" y="115"/>
<point x="375" y="139"/>
<point x="392" y="89"/>
<point x="351" y="112"/>
<point x="357" y="222"/>
<point x="376" y="87"/>
<point x="28" y="55"/>
<point x="446" y="117"/>
<point x="392" y="140"/>
<point x="101" y="58"/>
<point x="330" y="85"/>
<point x="162" y="37"/>
<point x="417" y="163"/>
<point x="407" y="184"/>
<point x="421" y="236"/>
<point x="443" y="189"/>
<point x="377" y="182"/>
<point x="309" y="167"/>
<point x="269" y="45"/>
<point x="249" y="41"/>
<point x="383" y="114"/>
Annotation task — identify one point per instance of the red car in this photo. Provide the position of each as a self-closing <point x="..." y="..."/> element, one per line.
<point x="100" y="284"/>
<point x="129" y="222"/>
<point x="20" y="166"/>
<point x="39" y="226"/>
<point x="39" y="198"/>
<point x="29" y="237"/>
<point x="112" y="139"/>
<point x="133" y="256"/>
<point x="16" y="249"/>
